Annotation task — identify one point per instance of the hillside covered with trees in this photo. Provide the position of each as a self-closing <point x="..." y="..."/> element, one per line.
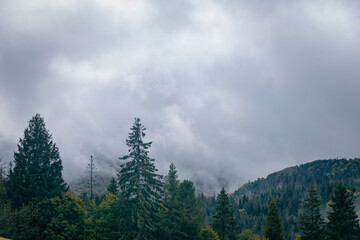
<point x="317" y="200"/>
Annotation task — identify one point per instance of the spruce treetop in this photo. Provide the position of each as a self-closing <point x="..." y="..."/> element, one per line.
<point x="37" y="168"/>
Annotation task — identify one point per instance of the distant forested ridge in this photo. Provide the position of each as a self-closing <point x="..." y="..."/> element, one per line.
<point x="317" y="200"/>
<point x="289" y="188"/>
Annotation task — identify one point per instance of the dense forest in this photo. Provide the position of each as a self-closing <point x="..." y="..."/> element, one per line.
<point x="317" y="200"/>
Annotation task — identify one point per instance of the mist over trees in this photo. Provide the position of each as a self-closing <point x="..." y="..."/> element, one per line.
<point x="35" y="202"/>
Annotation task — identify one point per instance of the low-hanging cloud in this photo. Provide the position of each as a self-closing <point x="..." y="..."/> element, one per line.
<point x="228" y="91"/>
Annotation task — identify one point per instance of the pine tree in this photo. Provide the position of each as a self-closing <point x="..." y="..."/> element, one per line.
<point x="273" y="228"/>
<point x="224" y="221"/>
<point x="171" y="212"/>
<point x="140" y="186"/>
<point x="343" y="222"/>
<point x="190" y="213"/>
<point x="311" y="222"/>
<point x="38" y="168"/>
<point x="91" y="166"/>
<point x="113" y="187"/>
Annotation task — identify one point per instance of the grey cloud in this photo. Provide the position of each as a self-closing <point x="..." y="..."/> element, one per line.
<point x="229" y="91"/>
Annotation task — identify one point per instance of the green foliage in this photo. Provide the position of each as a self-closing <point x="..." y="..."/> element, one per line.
<point x="343" y="221"/>
<point x="37" y="170"/>
<point x="140" y="186"/>
<point x="311" y="223"/>
<point x="170" y="213"/>
<point x="209" y="234"/>
<point x="248" y="234"/>
<point x="224" y="222"/>
<point x="66" y="217"/>
<point x="289" y="188"/>
<point x="273" y="229"/>
<point x="190" y="218"/>
<point x="101" y="221"/>
<point x="113" y="187"/>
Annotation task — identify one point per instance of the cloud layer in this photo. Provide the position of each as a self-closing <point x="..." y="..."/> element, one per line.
<point x="228" y="90"/>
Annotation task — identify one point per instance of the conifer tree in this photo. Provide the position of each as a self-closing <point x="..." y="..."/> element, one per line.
<point x="343" y="222"/>
<point x="224" y="221"/>
<point x="171" y="213"/>
<point x="91" y="166"/>
<point x="113" y="187"/>
<point x="190" y="218"/>
<point x="140" y="186"/>
<point x="273" y="228"/>
<point x="37" y="168"/>
<point x="311" y="222"/>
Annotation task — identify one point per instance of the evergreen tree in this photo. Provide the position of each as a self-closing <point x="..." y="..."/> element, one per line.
<point x="171" y="212"/>
<point x="343" y="222"/>
<point x="91" y="166"/>
<point x="224" y="221"/>
<point x="190" y="218"/>
<point x="311" y="222"/>
<point x="140" y="186"/>
<point x="113" y="187"/>
<point x="273" y="228"/>
<point x="38" y="168"/>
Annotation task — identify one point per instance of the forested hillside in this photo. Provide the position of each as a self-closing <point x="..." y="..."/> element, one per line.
<point x="317" y="200"/>
<point x="289" y="187"/>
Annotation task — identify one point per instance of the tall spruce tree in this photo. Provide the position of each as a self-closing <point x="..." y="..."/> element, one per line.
<point x="273" y="228"/>
<point x="343" y="222"/>
<point x="37" y="168"/>
<point x="190" y="218"/>
<point x="311" y="223"/>
<point x="140" y="187"/>
<point x="113" y="187"/>
<point x="224" y="221"/>
<point x="92" y="167"/>
<point x="171" y="213"/>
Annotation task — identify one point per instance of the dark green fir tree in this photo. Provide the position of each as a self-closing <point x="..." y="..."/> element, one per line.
<point x="140" y="187"/>
<point x="273" y="228"/>
<point x="37" y="171"/>
<point x="190" y="218"/>
<point x="311" y="223"/>
<point x="171" y="212"/>
<point x="343" y="222"/>
<point x="113" y="187"/>
<point x="224" y="221"/>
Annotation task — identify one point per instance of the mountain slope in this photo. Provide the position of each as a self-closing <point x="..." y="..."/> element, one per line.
<point x="289" y="188"/>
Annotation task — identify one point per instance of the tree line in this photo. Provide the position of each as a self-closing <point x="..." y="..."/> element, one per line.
<point x="35" y="201"/>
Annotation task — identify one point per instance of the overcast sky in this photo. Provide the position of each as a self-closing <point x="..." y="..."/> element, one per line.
<point x="228" y="90"/>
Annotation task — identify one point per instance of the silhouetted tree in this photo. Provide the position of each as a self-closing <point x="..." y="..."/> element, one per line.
<point x="91" y="166"/>
<point x="224" y="221"/>
<point x="37" y="168"/>
<point x="343" y="222"/>
<point x="273" y="228"/>
<point x="311" y="223"/>
<point x="140" y="186"/>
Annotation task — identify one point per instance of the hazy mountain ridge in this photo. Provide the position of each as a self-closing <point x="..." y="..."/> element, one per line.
<point x="289" y="188"/>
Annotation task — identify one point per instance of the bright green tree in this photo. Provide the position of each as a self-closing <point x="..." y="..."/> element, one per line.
<point x="190" y="218"/>
<point x="311" y="223"/>
<point x="37" y="171"/>
<point x="224" y="221"/>
<point x="273" y="228"/>
<point x="343" y="222"/>
<point x="209" y="234"/>
<point x="140" y="186"/>
<point x="248" y="234"/>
